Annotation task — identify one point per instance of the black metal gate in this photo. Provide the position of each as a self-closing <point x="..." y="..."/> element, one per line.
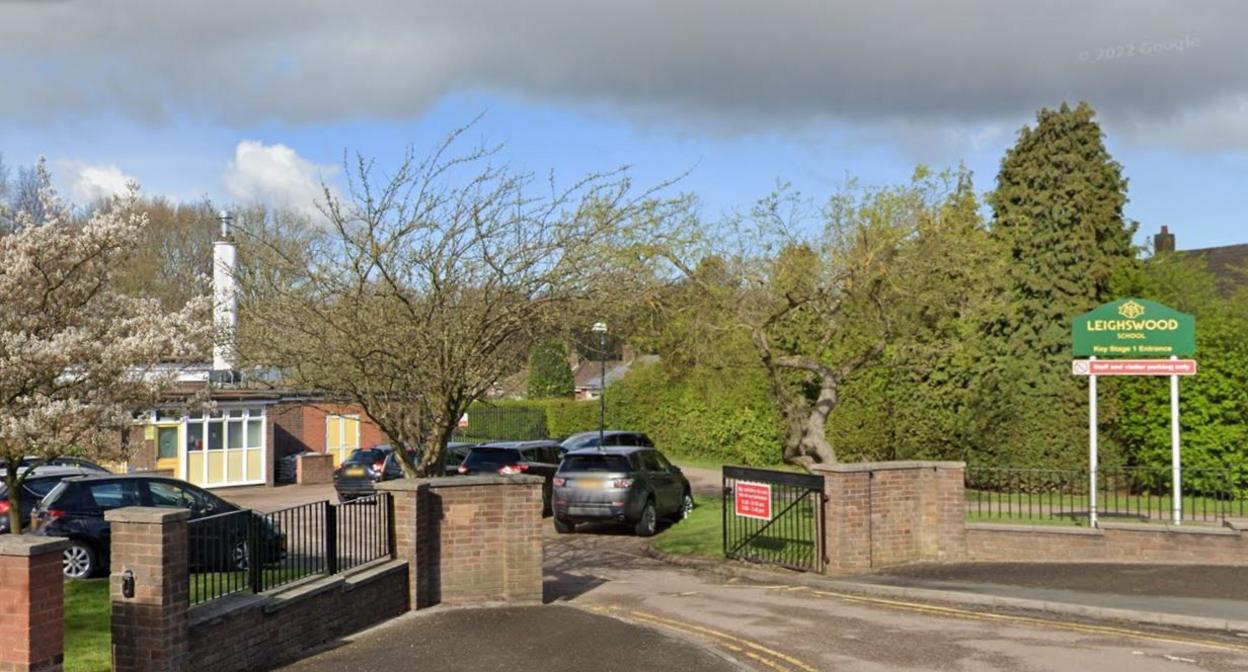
<point x="774" y="517"/>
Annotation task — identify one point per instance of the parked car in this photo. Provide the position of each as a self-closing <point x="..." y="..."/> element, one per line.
<point x="360" y="473"/>
<point x="75" y="509"/>
<point x="538" y="458"/>
<point x="632" y="485"/>
<point x="38" y="484"/>
<point x="78" y="462"/>
<point x="454" y="456"/>
<point x="611" y="437"/>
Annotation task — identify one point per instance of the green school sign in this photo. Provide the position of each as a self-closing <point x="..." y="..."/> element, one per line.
<point x="1135" y="328"/>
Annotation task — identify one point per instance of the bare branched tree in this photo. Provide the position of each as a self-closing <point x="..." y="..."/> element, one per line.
<point x="428" y="286"/>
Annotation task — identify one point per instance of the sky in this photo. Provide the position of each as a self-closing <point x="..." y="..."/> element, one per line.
<point x="242" y="101"/>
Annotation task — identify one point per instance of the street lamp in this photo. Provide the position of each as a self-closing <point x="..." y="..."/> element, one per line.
<point x="600" y="328"/>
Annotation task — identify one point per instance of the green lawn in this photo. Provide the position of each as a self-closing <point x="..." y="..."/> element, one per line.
<point x="88" y="635"/>
<point x="699" y="534"/>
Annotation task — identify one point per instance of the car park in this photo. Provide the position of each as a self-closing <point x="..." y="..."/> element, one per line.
<point x="75" y="509"/>
<point x="537" y="458"/>
<point x="632" y="485"/>
<point x="39" y="482"/>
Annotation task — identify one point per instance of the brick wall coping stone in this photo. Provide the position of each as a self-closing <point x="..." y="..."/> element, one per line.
<point x="854" y="467"/>
<point x="413" y="484"/>
<point x="1176" y="529"/>
<point x="1038" y="529"/>
<point x="27" y="545"/>
<point x="146" y="514"/>
<point x="1236" y="523"/>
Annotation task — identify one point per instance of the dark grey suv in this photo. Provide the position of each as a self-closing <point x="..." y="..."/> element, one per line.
<point x="633" y="485"/>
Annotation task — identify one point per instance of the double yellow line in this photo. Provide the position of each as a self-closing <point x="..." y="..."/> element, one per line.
<point x="756" y="652"/>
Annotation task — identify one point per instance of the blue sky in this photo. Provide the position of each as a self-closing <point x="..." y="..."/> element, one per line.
<point x="188" y="117"/>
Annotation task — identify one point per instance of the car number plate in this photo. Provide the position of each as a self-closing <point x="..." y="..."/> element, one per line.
<point x="355" y="471"/>
<point x="590" y="484"/>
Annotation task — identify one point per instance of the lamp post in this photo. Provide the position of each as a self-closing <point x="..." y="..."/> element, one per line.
<point x="600" y="328"/>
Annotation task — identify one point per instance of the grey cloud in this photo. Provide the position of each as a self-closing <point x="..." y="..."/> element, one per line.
<point x="728" y="64"/>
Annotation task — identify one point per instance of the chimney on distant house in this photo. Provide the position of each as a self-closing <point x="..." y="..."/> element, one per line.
<point x="1164" y="241"/>
<point x="224" y="303"/>
<point x="574" y="359"/>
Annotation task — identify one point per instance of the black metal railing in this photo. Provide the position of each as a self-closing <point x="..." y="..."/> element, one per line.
<point x="1122" y="493"/>
<point x="249" y="551"/>
<point x="774" y="517"/>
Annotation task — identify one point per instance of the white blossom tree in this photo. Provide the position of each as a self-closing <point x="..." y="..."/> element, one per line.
<point x="78" y="357"/>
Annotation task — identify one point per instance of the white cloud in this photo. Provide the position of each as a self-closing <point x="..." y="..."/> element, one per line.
<point x="276" y="176"/>
<point x="87" y="183"/>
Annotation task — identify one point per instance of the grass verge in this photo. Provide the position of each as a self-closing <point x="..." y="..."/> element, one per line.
<point x="88" y="626"/>
<point x="701" y="534"/>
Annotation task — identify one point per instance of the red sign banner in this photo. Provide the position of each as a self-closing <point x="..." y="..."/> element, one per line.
<point x="753" y="500"/>
<point x="1134" y="367"/>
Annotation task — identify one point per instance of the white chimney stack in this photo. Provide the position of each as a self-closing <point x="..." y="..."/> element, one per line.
<point x="224" y="298"/>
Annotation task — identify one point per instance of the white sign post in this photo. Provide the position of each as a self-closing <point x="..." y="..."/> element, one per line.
<point x="1092" y="446"/>
<point x="1175" y="462"/>
<point x="1173" y="368"/>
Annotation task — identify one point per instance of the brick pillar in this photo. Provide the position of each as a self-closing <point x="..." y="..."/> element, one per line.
<point x="32" y="603"/>
<point x="889" y="513"/>
<point x="150" y="629"/>
<point x="469" y="539"/>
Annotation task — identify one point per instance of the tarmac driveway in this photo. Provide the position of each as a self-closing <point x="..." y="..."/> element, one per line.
<point x="781" y="626"/>
<point x="513" y="639"/>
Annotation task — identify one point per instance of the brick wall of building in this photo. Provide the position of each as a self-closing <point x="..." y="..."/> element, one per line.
<point x="471" y="539"/>
<point x="300" y="426"/>
<point x="1112" y="542"/>
<point x="889" y="513"/>
<point x="32" y="602"/>
<point x="257" y="632"/>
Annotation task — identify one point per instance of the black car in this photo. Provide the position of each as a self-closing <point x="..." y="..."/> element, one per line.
<point x="610" y="437"/>
<point x="360" y="473"/>
<point x="38" y="484"/>
<point x="637" y="486"/>
<point x="454" y="456"/>
<point x="538" y="458"/>
<point x="75" y="509"/>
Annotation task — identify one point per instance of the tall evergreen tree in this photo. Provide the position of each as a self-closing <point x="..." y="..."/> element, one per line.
<point x="1057" y="217"/>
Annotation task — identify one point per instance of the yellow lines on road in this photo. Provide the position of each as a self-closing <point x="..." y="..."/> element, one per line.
<point x="954" y="612"/>
<point x="739" y="646"/>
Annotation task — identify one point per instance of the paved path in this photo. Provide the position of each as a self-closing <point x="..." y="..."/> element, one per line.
<point x="1213" y="592"/>
<point x="779" y="627"/>
<point x="515" y="639"/>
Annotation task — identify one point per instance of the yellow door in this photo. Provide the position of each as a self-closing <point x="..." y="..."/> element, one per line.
<point x="342" y="436"/>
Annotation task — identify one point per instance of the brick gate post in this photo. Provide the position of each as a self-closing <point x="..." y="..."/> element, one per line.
<point x="149" y="628"/>
<point x="32" y="603"/>
<point x="469" y="539"/>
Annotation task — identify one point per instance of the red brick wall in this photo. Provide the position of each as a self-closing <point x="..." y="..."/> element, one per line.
<point x="471" y="539"/>
<point x="889" y="513"/>
<point x="1113" y="542"/>
<point x="149" y="628"/>
<point x="31" y="604"/>
<point x="255" y="633"/>
<point x="300" y="426"/>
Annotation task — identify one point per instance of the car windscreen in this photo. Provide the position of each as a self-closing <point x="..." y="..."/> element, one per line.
<point x="594" y="462"/>
<point x="369" y="456"/>
<point x="492" y="459"/>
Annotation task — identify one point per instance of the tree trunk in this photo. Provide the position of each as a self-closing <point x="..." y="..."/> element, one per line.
<point x="13" y="485"/>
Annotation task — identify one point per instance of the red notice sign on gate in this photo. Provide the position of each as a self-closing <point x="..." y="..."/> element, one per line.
<point x="753" y="500"/>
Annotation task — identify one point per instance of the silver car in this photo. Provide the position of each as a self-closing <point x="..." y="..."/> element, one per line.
<point x="627" y="484"/>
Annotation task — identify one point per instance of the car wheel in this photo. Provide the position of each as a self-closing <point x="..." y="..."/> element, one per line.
<point x="78" y="561"/>
<point x="686" y="506"/>
<point x="564" y="526"/>
<point x="648" y="523"/>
